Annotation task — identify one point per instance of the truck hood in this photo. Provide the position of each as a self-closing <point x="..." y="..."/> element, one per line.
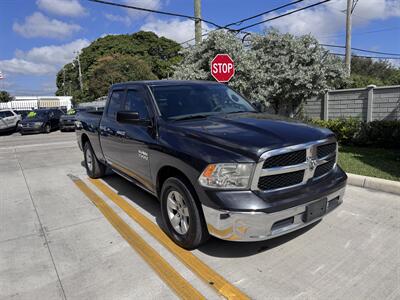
<point x="68" y="117"/>
<point x="251" y="134"/>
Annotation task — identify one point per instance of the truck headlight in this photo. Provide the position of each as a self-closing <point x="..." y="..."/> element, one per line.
<point x="227" y="176"/>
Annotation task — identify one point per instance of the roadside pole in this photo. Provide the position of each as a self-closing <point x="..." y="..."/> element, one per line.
<point x="348" y="36"/>
<point x="197" y="21"/>
<point x="80" y="71"/>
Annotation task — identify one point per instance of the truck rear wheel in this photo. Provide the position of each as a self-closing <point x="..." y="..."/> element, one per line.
<point x="181" y="215"/>
<point x="94" y="168"/>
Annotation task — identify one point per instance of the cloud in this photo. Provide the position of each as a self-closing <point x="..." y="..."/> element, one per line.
<point x="69" y="8"/>
<point x="42" y="60"/>
<point x="22" y="66"/>
<point x="117" y="18"/>
<point x="327" y="19"/>
<point x="132" y="14"/>
<point x="135" y="14"/>
<point x="38" y="25"/>
<point x="174" y="29"/>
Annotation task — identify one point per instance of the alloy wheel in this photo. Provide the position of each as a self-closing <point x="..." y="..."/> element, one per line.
<point x="178" y="212"/>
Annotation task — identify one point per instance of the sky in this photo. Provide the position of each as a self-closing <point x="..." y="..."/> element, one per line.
<point x="37" y="37"/>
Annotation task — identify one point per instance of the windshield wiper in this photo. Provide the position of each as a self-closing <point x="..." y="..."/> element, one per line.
<point x="190" y="117"/>
<point x="241" y="111"/>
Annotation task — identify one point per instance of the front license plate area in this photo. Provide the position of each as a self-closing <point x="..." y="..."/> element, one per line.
<point x="315" y="210"/>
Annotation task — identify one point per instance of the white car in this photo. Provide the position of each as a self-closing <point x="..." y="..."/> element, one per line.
<point x="9" y="120"/>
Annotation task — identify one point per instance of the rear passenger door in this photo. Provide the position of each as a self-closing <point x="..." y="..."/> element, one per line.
<point x="110" y="131"/>
<point x="139" y="137"/>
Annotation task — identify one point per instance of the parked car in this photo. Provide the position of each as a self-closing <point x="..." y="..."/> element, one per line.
<point x="67" y="121"/>
<point x="9" y="120"/>
<point x="41" y="120"/>
<point x="217" y="165"/>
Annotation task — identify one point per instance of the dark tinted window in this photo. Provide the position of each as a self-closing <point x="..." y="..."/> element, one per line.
<point x="190" y="99"/>
<point x="8" y="113"/>
<point x="135" y="102"/>
<point x="115" y="103"/>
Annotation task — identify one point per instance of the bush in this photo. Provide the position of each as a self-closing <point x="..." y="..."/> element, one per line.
<point x="356" y="132"/>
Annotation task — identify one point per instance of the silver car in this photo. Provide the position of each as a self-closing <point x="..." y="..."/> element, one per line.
<point x="9" y="120"/>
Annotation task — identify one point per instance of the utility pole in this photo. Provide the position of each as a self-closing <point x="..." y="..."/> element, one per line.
<point x="348" y="36"/>
<point x="80" y="72"/>
<point x="197" y="21"/>
<point x="64" y="81"/>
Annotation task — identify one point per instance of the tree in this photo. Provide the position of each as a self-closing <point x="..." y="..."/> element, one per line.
<point x="160" y="53"/>
<point x="277" y="70"/>
<point x="116" y="68"/>
<point x="292" y="69"/>
<point x="5" y="96"/>
<point x="365" y="71"/>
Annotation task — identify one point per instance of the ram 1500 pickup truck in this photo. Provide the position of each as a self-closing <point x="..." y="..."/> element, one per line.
<point x="217" y="165"/>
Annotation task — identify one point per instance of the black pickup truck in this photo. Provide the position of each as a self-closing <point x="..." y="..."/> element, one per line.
<point x="216" y="164"/>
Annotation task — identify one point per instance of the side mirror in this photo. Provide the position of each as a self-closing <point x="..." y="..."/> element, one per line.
<point x="257" y="105"/>
<point x="131" y="117"/>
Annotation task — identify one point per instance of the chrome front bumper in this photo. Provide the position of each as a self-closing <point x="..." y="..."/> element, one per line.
<point x="258" y="226"/>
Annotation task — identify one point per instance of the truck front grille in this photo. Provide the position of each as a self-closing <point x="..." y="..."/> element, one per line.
<point x="280" y="180"/>
<point x="325" y="150"/>
<point x="324" y="168"/>
<point x="286" y="159"/>
<point x="295" y="165"/>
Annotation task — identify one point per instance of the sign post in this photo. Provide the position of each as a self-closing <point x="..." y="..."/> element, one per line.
<point x="222" y="68"/>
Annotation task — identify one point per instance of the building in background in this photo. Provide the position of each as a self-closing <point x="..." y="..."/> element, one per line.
<point x="35" y="102"/>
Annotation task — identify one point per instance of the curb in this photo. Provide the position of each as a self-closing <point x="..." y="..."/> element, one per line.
<point x="378" y="184"/>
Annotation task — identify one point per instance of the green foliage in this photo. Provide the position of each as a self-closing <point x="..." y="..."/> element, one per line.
<point x="365" y="71"/>
<point x="293" y="69"/>
<point x="380" y="133"/>
<point x="277" y="70"/>
<point x="159" y="53"/>
<point x="113" y="69"/>
<point x="5" y="96"/>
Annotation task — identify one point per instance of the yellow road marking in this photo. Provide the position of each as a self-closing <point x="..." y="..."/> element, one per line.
<point x="198" y="267"/>
<point x="168" y="274"/>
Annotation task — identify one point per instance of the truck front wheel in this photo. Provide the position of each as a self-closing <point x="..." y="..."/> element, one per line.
<point x="180" y="213"/>
<point x="94" y="168"/>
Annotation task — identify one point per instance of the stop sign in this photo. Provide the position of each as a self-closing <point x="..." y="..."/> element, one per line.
<point x="222" y="68"/>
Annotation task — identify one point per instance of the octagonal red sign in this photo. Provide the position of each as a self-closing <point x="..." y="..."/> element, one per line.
<point x="222" y="68"/>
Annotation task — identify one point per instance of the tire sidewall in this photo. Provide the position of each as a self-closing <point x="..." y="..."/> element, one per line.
<point x="87" y="148"/>
<point x="195" y="234"/>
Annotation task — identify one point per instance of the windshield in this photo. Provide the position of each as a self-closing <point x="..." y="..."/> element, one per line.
<point x="178" y="101"/>
<point x="37" y="114"/>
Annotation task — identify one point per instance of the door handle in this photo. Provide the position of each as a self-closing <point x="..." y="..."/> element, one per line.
<point x="121" y="133"/>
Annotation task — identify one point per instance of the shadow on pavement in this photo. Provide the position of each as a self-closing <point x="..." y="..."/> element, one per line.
<point x="214" y="247"/>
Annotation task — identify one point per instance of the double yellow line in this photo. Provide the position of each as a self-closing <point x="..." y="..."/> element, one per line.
<point x="176" y="282"/>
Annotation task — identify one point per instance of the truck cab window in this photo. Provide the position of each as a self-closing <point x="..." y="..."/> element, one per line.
<point x="136" y="102"/>
<point x="115" y="103"/>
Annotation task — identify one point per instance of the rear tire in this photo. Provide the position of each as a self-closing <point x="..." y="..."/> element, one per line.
<point x="94" y="168"/>
<point x="17" y="127"/>
<point x="181" y="214"/>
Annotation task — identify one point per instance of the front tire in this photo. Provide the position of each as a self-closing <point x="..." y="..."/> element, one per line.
<point x="94" y="168"/>
<point x="47" y="128"/>
<point x="182" y="216"/>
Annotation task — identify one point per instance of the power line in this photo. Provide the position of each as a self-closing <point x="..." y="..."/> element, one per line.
<point x="246" y="19"/>
<point x="155" y="11"/>
<point x="361" y="50"/>
<point x="283" y="15"/>
<point x="366" y="56"/>
<point x="262" y="13"/>
<point x="362" y="32"/>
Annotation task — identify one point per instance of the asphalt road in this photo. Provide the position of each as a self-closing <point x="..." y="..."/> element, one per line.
<point x="56" y="244"/>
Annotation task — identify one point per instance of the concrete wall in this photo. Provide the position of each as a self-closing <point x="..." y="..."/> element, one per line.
<point x="370" y="103"/>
